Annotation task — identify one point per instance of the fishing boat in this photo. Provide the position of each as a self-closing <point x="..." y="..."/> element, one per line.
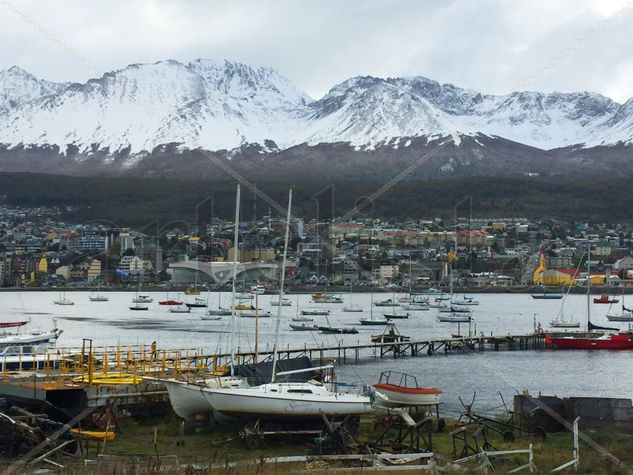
<point x="62" y="300"/>
<point x="142" y="299"/>
<point x="454" y="317"/>
<point x="596" y="337"/>
<point x="139" y="306"/>
<point x="288" y="400"/>
<point x="604" y="298"/>
<point x="402" y="390"/>
<point x="303" y="327"/>
<point x="197" y="303"/>
<point x="180" y="309"/>
<point x="32" y="337"/>
<point x="326" y="298"/>
<point x="315" y="313"/>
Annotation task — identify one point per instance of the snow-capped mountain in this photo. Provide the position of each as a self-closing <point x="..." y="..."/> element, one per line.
<point x="223" y="105"/>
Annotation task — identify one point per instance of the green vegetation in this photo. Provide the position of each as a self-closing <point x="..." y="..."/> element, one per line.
<point x="138" y="202"/>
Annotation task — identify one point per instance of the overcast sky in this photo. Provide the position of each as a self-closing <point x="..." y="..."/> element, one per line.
<point x="487" y="45"/>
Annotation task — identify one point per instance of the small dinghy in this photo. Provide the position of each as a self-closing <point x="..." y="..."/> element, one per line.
<point x="402" y="390"/>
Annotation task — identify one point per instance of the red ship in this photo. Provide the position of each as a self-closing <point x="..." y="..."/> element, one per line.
<point x="605" y="338"/>
<point x="170" y="302"/>
<point x="604" y="341"/>
<point x="605" y="299"/>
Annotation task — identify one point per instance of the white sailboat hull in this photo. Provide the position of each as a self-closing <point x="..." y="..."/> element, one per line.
<point x="264" y="401"/>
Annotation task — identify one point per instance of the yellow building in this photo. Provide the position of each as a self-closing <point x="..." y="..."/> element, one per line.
<point x="537" y="277"/>
<point x="42" y="266"/>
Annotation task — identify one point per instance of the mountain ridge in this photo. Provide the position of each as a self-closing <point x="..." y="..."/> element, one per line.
<point x="127" y="116"/>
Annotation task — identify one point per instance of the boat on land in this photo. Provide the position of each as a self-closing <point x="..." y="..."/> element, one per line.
<point x="605" y="298"/>
<point x="287" y="399"/>
<point x="32" y="337"/>
<point x="596" y="337"/>
<point x="402" y="390"/>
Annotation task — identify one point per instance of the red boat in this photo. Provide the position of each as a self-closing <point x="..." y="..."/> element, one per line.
<point x="12" y="324"/>
<point x="170" y="302"/>
<point x="607" y="341"/>
<point x="605" y="299"/>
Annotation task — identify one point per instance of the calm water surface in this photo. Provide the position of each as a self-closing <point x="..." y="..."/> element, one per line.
<point x="576" y="373"/>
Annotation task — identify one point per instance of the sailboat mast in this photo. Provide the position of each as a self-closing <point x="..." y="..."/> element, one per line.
<point x="235" y="238"/>
<point x="281" y="286"/>
<point x="588" y="284"/>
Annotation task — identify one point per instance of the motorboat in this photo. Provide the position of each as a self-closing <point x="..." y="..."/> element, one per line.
<point x="560" y="323"/>
<point x="466" y="301"/>
<point x="139" y="306"/>
<point x="98" y="298"/>
<point x="402" y="390"/>
<point x="455" y="309"/>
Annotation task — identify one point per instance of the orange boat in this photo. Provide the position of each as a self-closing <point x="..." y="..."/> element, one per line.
<point x="402" y="390"/>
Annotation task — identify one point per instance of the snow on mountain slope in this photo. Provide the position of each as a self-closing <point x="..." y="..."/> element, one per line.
<point x="17" y="87"/>
<point x="205" y="104"/>
<point x="218" y="105"/>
